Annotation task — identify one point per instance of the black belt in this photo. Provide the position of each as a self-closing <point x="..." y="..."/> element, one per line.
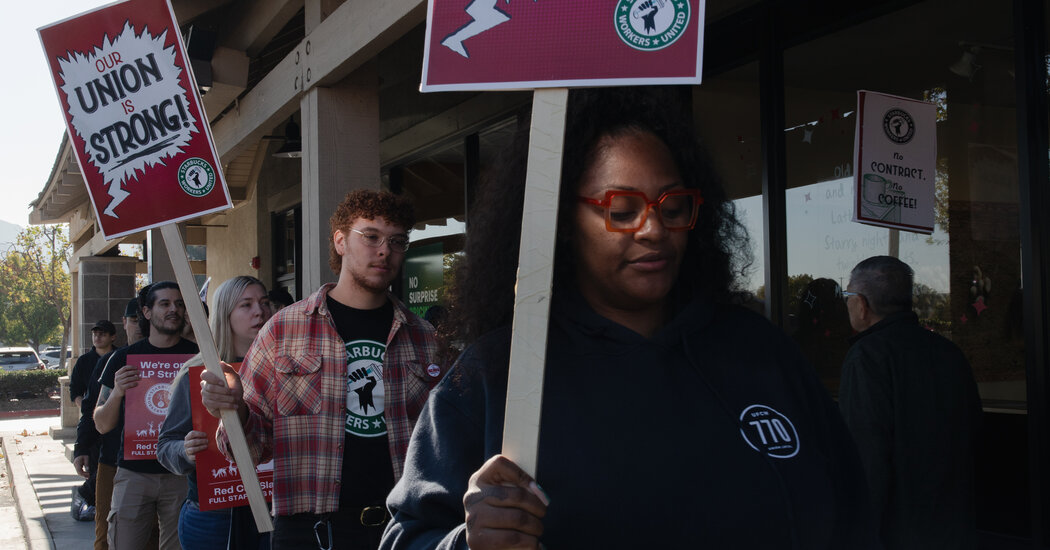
<point x="373" y="516"/>
<point x="370" y="516"/>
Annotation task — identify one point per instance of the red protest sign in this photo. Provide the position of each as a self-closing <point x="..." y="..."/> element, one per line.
<point x="218" y="482"/>
<point x="495" y="44"/>
<point x="146" y="405"/>
<point x="134" y="117"/>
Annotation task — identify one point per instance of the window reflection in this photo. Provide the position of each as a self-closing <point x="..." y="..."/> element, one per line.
<point x="824" y="245"/>
<point x="967" y="272"/>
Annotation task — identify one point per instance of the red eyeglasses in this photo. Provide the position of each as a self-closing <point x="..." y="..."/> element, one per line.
<point x="626" y="211"/>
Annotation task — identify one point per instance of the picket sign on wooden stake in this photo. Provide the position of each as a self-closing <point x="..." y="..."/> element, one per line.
<point x="206" y="343"/>
<point x="532" y="293"/>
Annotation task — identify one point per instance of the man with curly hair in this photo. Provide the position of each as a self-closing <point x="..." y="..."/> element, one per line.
<point x="333" y="384"/>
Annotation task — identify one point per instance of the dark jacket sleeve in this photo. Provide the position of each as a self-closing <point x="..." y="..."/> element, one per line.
<point x="856" y="525"/>
<point x="86" y="433"/>
<point x="452" y="439"/>
<point x="866" y="401"/>
<point x="81" y="375"/>
<point x="171" y="447"/>
<point x="427" y="503"/>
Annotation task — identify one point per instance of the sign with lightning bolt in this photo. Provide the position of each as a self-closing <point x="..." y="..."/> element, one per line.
<point x="528" y="44"/>
<point x="133" y="115"/>
<point x="550" y="46"/>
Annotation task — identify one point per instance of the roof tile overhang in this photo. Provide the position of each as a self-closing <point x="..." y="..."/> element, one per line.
<point x="64" y="191"/>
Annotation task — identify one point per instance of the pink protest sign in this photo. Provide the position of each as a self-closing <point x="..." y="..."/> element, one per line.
<point x="516" y="44"/>
<point x="218" y="480"/>
<point x="134" y="117"/>
<point x="146" y="405"/>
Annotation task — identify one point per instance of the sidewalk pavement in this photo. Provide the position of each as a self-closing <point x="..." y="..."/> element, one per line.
<point x="40" y="478"/>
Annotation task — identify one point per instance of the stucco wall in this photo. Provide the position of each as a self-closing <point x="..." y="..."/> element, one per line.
<point x="247" y="233"/>
<point x="231" y="248"/>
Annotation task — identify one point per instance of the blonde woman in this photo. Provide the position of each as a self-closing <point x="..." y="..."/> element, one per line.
<point x="240" y="308"/>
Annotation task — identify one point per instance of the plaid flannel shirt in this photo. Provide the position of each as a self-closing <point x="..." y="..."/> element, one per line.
<point x="294" y="379"/>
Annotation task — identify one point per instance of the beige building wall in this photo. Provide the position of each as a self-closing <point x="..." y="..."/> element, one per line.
<point x="246" y="231"/>
<point x="231" y="248"/>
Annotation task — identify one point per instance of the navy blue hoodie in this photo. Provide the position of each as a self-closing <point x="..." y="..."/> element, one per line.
<point x="714" y="433"/>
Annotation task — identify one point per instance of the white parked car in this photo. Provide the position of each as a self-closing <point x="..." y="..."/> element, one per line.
<point x="20" y="358"/>
<point x="51" y="356"/>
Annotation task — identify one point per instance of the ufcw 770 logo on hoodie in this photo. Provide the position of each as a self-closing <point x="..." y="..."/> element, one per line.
<point x="769" y="432"/>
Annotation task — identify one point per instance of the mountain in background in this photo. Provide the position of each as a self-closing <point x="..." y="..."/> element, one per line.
<point x="8" y="233"/>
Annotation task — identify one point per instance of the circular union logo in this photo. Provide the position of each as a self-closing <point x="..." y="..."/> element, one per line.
<point x="898" y="125"/>
<point x="196" y="177"/>
<point x="365" y="389"/>
<point x="157" y="399"/>
<point x="651" y="25"/>
<point x="769" y="432"/>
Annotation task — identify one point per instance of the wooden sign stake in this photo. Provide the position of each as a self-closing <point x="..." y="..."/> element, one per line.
<point x="532" y="293"/>
<point x="206" y="343"/>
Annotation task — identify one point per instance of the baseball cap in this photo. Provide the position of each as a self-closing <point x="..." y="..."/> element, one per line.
<point x="104" y="326"/>
<point x="132" y="309"/>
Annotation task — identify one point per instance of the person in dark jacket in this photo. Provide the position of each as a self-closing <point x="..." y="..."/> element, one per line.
<point x="909" y="397"/>
<point x="671" y="417"/>
<point x="103" y="335"/>
<point x="82" y="507"/>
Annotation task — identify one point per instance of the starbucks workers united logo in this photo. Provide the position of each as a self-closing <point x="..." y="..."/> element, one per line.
<point x="196" y="177"/>
<point x="364" y="388"/>
<point x="651" y="25"/>
<point x="898" y="125"/>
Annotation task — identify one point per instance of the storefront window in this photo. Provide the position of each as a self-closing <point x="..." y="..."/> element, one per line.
<point x="287" y="252"/>
<point x="959" y="56"/>
<point x="967" y="273"/>
<point x="439" y="182"/>
<point x="726" y="114"/>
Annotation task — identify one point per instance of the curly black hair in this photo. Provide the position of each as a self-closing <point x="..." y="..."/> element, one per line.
<point x="146" y="297"/>
<point x="482" y="293"/>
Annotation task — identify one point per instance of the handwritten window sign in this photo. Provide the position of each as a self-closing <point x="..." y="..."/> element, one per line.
<point x="895" y="155"/>
<point x="218" y="482"/>
<point x="134" y="116"/>
<point x="146" y="405"/>
<point x="496" y="44"/>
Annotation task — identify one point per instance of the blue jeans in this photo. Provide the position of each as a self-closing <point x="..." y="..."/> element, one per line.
<point x="203" y="530"/>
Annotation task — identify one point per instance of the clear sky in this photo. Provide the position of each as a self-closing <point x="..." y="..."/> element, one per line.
<point x="33" y="119"/>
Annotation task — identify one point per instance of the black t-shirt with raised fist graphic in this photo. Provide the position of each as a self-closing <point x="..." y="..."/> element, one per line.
<point x="367" y="474"/>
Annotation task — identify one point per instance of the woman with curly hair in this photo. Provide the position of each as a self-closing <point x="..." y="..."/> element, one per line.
<point x="672" y="418"/>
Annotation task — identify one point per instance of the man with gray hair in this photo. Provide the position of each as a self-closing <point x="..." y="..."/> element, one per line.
<point x="908" y="396"/>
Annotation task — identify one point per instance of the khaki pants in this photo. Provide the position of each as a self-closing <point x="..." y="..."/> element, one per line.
<point x="142" y="502"/>
<point x="103" y="494"/>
